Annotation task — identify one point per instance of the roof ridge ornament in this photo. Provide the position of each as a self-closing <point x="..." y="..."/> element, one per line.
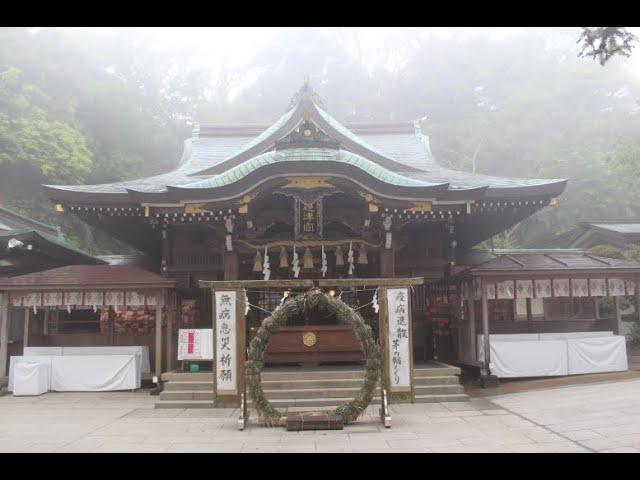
<point x="306" y="92"/>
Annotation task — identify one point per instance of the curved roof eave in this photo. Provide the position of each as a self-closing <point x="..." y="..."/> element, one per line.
<point x="270" y="171"/>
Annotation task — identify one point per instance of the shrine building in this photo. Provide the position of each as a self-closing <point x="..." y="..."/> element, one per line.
<point x="352" y="209"/>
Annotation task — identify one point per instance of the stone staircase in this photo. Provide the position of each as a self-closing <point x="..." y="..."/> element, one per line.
<point x="311" y="388"/>
<point x="186" y="390"/>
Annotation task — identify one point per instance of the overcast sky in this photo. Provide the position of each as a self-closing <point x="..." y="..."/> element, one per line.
<point x="234" y="47"/>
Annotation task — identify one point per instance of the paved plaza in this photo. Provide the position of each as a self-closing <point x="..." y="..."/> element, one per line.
<point x="602" y="417"/>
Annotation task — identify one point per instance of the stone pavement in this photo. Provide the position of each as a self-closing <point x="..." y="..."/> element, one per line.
<point x="596" y="417"/>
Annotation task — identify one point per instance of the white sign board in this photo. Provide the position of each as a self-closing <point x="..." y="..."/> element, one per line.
<point x="195" y="344"/>
<point x="399" y="324"/>
<point x="226" y="356"/>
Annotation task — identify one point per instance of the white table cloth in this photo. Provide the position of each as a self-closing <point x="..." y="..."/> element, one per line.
<point x="95" y="373"/>
<point x="529" y="359"/>
<point x="141" y="350"/>
<point x="555" y="354"/>
<point x="596" y="355"/>
<point x="30" y="379"/>
<point x="15" y="360"/>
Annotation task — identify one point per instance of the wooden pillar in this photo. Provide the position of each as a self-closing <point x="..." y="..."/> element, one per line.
<point x="462" y="320"/>
<point x="5" y="319"/>
<point x="388" y="262"/>
<point x="619" y="328"/>
<point x="596" y="306"/>
<point x="637" y="298"/>
<point x="111" y="320"/>
<point x="158" y="353"/>
<point x="485" y="331"/>
<point x="45" y="322"/>
<point x="25" y="338"/>
<point x="473" y="341"/>
<point x="231" y="266"/>
<point x="171" y="308"/>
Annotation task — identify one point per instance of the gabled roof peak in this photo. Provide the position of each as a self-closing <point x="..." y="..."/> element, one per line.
<point x="306" y="93"/>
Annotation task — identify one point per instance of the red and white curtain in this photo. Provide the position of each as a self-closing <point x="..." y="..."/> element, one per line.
<point x="557" y="287"/>
<point x="109" y="298"/>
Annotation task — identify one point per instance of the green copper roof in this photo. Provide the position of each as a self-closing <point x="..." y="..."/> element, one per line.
<point x="267" y="133"/>
<point x="308" y="155"/>
<point x="345" y="131"/>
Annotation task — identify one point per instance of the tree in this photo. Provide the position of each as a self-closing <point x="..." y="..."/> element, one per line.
<point x="603" y="43"/>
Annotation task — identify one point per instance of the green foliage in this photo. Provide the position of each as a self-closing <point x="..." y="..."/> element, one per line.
<point x="603" y="43"/>
<point x="608" y="251"/>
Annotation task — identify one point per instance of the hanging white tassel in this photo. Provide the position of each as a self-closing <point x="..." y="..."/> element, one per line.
<point x="295" y="263"/>
<point x="350" y="258"/>
<point x="324" y="263"/>
<point x="69" y="309"/>
<point x="374" y="302"/>
<point x="247" y="307"/>
<point x="35" y="310"/>
<point x="266" y="267"/>
<point x="95" y="309"/>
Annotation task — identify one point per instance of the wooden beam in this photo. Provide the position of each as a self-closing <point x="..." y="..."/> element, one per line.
<point x="239" y="284"/>
<point x="370" y="282"/>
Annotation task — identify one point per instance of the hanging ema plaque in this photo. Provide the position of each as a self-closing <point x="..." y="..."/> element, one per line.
<point x="226" y="355"/>
<point x="399" y="327"/>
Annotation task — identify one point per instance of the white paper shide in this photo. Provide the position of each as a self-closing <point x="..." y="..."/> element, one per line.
<point x="226" y="361"/>
<point x="399" y="362"/>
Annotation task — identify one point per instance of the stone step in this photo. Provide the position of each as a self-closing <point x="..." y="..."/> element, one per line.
<point x="313" y="393"/>
<point x="443" y="380"/>
<point x="187" y="395"/>
<point x="436" y="371"/>
<point x="300" y="384"/>
<point x="441" y="398"/>
<point x="179" y="385"/>
<point x="312" y="375"/>
<point x="438" y="389"/>
<point x="184" y="404"/>
<point x="311" y="402"/>
<point x="187" y="376"/>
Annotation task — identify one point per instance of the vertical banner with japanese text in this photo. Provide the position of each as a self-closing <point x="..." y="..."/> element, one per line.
<point x="399" y="326"/>
<point x="226" y="352"/>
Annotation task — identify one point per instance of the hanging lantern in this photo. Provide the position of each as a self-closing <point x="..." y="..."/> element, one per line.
<point x="284" y="260"/>
<point x="307" y="259"/>
<point x="257" y="262"/>
<point x="339" y="257"/>
<point x="362" y="255"/>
